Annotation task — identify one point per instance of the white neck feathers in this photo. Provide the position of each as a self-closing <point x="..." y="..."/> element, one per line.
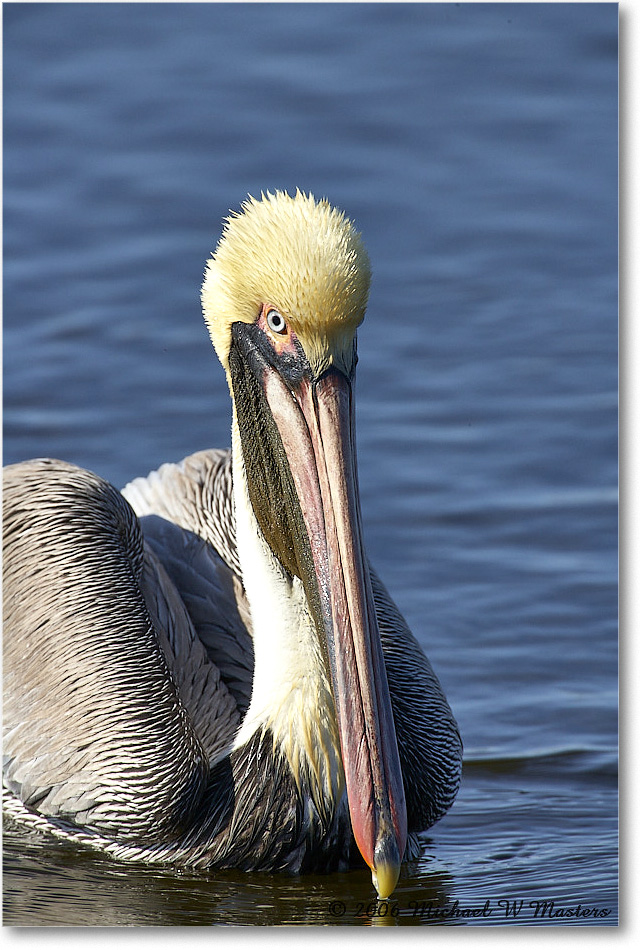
<point x="291" y="695"/>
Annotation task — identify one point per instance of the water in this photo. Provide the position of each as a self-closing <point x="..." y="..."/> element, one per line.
<point x="476" y="147"/>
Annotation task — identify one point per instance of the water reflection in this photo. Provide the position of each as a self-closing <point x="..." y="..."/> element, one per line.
<point x="50" y="883"/>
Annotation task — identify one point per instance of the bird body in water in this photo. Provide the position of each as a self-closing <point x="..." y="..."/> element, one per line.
<point x="204" y="669"/>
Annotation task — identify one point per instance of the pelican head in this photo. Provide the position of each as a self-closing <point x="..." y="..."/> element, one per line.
<point x="283" y="296"/>
<point x="302" y="254"/>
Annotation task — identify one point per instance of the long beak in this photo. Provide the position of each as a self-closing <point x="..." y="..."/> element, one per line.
<point x="317" y="431"/>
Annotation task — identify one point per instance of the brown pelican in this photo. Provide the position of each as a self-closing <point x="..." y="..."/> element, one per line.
<point x="204" y="669"/>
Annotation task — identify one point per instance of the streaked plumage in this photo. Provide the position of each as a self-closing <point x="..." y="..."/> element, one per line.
<point x="167" y="688"/>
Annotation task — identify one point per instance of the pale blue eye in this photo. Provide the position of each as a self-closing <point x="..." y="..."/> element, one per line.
<point x="276" y="322"/>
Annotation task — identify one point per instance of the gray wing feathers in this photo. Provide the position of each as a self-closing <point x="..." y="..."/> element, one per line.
<point x="187" y="516"/>
<point x="212" y="710"/>
<point x="95" y="727"/>
<point x="430" y="747"/>
<point x="195" y="494"/>
<point x="213" y="600"/>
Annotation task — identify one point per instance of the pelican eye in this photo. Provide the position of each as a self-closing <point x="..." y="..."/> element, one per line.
<point x="276" y="322"/>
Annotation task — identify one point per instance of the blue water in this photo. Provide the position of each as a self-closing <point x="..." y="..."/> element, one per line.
<point x="476" y="148"/>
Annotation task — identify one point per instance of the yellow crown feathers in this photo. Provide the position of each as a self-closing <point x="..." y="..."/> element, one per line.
<point x="302" y="257"/>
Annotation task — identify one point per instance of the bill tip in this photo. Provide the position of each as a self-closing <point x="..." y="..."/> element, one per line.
<point x="387" y="865"/>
